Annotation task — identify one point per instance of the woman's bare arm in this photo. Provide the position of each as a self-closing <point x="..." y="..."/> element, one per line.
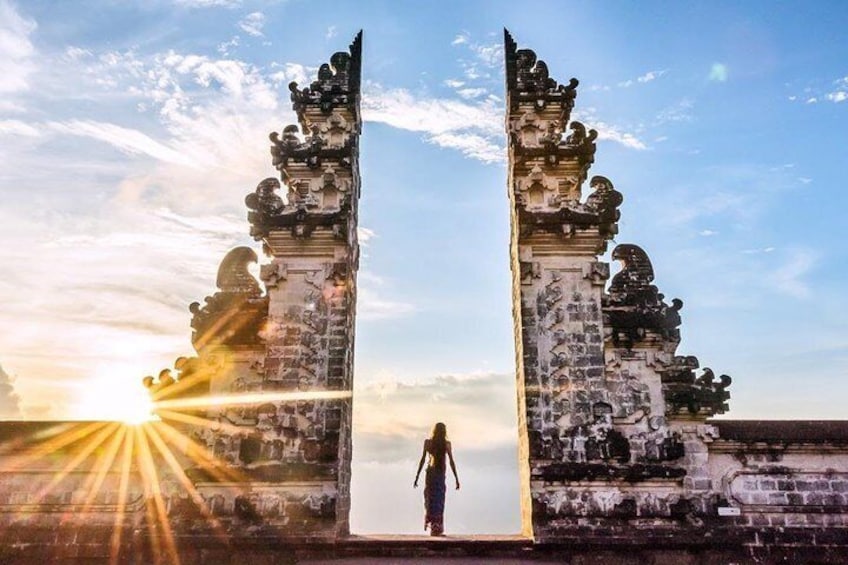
<point x="421" y="463"/>
<point x="452" y="464"/>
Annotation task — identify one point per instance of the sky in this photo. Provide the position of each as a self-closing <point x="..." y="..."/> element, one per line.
<point x="130" y="133"/>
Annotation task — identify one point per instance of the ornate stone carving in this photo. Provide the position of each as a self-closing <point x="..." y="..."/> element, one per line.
<point x="337" y="84"/>
<point x="527" y="79"/>
<point x="530" y="141"/>
<point x="541" y="208"/>
<point x="605" y="201"/>
<point x="312" y="151"/>
<point x="686" y="393"/>
<point x="304" y="212"/>
<point x="634" y="309"/>
<point x="236" y="313"/>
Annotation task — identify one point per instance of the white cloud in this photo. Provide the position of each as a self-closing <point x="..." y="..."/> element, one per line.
<point x="331" y="32"/>
<point x="707" y="233"/>
<point x="253" y="23"/>
<point x="128" y="140"/>
<point x="758" y="251"/>
<point x="490" y="55"/>
<point x="612" y="133"/>
<point x="812" y="100"/>
<point x="17" y="52"/>
<point x="805" y="180"/>
<point x="371" y="306"/>
<point x="647" y="77"/>
<point x="479" y="409"/>
<point x="9" y="401"/>
<point x="651" y="75"/>
<point x="291" y="72"/>
<point x="471" y="145"/>
<point x="471" y="93"/>
<point x="17" y="127"/>
<point x="789" y="277"/>
<point x="838" y="96"/>
<point x="225" y="47"/>
<point x="718" y="72"/>
<point x="678" y="112"/>
<point x="460" y="39"/>
<point x="76" y="53"/>
<point x="453" y="83"/>
<point x="474" y="128"/>
<point x="364" y="235"/>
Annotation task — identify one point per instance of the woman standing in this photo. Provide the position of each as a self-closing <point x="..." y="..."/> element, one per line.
<point x="434" y="478"/>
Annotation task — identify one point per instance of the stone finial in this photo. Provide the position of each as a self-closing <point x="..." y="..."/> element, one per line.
<point x="634" y="308"/>
<point x="687" y="394"/>
<point x="527" y="79"/>
<point x="337" y="84"/>
<point x="236" y="313"/>
<point x="233" y="274"/>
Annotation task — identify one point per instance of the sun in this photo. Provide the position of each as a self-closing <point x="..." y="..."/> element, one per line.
<point x="113" y="399"/>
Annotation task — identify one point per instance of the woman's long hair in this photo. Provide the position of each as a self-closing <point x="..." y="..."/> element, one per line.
<point x="438" y="444"/>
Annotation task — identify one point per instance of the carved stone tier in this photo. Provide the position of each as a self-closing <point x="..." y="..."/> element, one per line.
<point x="337" y="86"/>
<point x="527" y="80"/>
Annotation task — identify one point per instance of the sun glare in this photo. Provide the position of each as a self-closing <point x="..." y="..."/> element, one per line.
<point x="115" y="400"/>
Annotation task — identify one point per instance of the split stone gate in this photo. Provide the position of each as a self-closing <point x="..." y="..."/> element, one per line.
<point x="616" y="445"/>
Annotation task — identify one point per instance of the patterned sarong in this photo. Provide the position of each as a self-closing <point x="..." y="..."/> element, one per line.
<point x="434" y="500"/>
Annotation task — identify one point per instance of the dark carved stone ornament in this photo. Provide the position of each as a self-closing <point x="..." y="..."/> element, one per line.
<point x="599" y="211"/>
<point x="267" y="211"/>
<point x="687" y="393"/>
<point x="634" y="308"/>
<point x="605" y="200"/>
<point x="192" y="380"/>
<point x="570" y="472"/>
<point x="310" y="151"/>
<point x="527" y="79"/>
<point x="337" y="85"/>
<point x="236" y="314"/>
<point x="580" y="145"/>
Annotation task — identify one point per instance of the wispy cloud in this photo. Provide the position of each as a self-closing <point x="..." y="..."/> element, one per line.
<point x="331" y="32"/>
<point x="460" y="39"/>
<point x="836" y="92"/>
<point x="471" y="93"/>
<point x="374" y="300"/>
<point x="9" y="401"/>
<point x="18" y="127"/>
<point x="474" y="128"/>
<point x="651" y="75"/>
<point x="647" y="77"/>
<point x="16" y="49"/>
<point x="252" y="24"/>
<point x="789" y="277"/>
<point x="128" y="140"/>
<point x="609" y="132"/>
<point x="840" y="93"/>
<point x="680" y="111"/>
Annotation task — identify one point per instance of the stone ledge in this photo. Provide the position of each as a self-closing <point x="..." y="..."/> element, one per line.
<point x="785" y="431"/>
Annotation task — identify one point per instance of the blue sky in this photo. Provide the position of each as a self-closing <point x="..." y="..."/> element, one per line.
<point x="130" y="133"/>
